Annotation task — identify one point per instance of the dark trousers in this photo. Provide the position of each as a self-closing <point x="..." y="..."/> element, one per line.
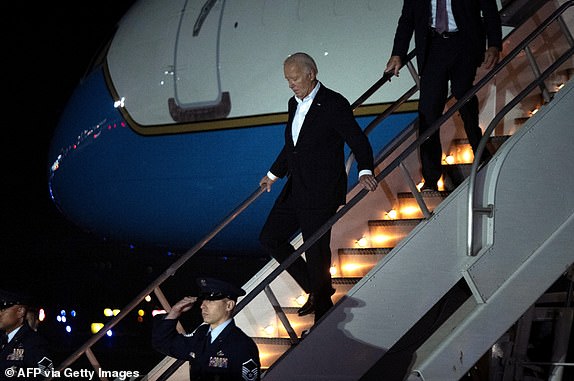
<point x="313" y="276"/>
<point x="447" y="60"/>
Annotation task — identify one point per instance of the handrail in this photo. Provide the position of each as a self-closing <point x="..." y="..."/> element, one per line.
<point x="472" y="177"/>
<point x="319" y="233"/>
<point x="170" y="271"/>
<point x="163" y="277"/>
<point x="363" y="192"/>
<point x="482" y="144"/>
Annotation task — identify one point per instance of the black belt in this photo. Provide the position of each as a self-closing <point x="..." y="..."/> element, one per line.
<point x="435" y="33"/>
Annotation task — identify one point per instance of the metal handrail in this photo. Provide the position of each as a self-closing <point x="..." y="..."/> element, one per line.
<point x="482" y="144"/>
<point x="363" y="192"/>
<point x="170" y="271"/>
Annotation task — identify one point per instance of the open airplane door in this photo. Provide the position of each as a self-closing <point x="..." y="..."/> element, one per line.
<point x="197" y="86"/>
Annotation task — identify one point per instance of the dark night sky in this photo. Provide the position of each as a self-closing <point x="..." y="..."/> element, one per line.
<point x="49" y="46"/>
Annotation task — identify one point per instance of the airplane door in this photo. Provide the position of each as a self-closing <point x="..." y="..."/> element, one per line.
<point x="197" y="86"/>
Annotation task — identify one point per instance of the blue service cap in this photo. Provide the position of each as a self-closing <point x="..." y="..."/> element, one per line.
<point x="11" y="298"/>
<point x="216" y="289"/>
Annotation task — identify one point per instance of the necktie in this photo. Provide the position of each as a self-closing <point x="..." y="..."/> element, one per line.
<point x="207" y="341"/>
<point x="441" y="22"/>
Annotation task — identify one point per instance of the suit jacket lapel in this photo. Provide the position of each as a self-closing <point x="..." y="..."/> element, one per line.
<point x="314" y="110"/>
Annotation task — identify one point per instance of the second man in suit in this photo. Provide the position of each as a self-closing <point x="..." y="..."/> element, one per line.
<point x="452" y="39"/>
<point x="320" y="123"/>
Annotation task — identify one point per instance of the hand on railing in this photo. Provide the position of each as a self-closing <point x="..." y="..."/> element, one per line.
<point x="266" y="182"/>
<point x="394" y="65"/>
<point x="369" y="182"/>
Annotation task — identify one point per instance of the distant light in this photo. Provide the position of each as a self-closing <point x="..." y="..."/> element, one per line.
<point x="116" y="311"/>
<point x="109" y="333"/>
<point x="68" y="329"/>
<point x="147" y="298"/>
<point x="63" y="313"/>
<point x="95" y="327"/>
<point x="59" y="318"/>
<point x="108" y="312"/>
<point x="41" y="314"/>
<point x="120" y="102"/>
<point x="141" y="312"/>
<point x="63" y="319"/>
<point x="73" y="313"/>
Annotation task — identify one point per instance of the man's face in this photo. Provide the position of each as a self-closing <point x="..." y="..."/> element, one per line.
<point x="300" y="82"/>
<point x="215" y="312"/>
<point x="12" y="317"/>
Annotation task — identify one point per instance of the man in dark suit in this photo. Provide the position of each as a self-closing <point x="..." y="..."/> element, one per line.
<point x="320" y="123"/>
<point x="24" y="354"/>
<point x="449" y="47"/>
<point x="217" y="349"/>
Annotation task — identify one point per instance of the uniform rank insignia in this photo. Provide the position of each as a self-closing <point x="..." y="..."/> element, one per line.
<point x="16" y="355"/>
<point x="249" y="370"/>
<point x="218" y="362"/>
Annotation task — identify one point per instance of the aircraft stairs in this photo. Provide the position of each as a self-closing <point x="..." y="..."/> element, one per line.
<point x="413" y="297"/>
<point x="430" y="281"/>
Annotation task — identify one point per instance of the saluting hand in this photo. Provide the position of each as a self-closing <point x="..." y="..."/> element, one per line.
<point x="180" y="307"/>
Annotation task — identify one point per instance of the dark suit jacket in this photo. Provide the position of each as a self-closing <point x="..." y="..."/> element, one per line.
<point x="316" y="165"/>
<point x="477" y="21"/>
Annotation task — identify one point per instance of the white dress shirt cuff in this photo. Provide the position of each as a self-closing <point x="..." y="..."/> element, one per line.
<point x="272" y="176"/>
<point x="365" y="172"/>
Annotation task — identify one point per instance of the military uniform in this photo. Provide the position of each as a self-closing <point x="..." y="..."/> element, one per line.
<point x="231" y="356"/>
<point x="26" y="351"/>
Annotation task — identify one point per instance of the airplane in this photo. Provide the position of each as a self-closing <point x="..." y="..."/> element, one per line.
<point x="183" y="112"/>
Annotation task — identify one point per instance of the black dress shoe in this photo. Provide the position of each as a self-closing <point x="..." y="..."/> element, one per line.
<point x="308" y="307"/>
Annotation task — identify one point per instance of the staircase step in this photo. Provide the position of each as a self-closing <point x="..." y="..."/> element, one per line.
<point x="357" y="262"/>
<point x="270" y="349"/>
<point x="408" y="207"/>
<point x="388" y="233"/>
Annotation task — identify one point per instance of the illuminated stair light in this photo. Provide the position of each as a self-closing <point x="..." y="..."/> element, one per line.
<point x="301" y="299"/>
<point x="333" y="270"/>
<point x="382" y="239"/>
<point x="392" y="214"/>
<point x="449" y="159"/>
<point x="362" y="242"/>
<point x="409" y="211"/>
<point x="270" y="330"/>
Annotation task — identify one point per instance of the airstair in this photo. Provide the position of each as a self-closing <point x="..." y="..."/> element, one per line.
<point x="427" y="283"/>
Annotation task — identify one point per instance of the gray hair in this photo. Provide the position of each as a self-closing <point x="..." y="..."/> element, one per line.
<point x="304" y="60"/>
